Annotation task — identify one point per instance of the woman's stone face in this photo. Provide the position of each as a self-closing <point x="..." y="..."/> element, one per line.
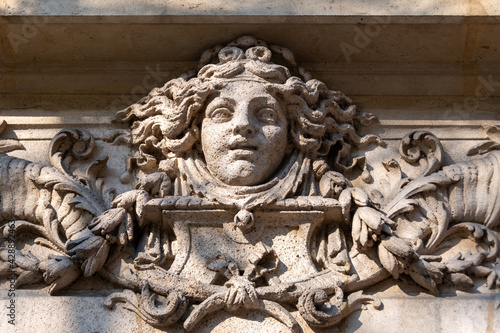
<point x="244" y="134"/>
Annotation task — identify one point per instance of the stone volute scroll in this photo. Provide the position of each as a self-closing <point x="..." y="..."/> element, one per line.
<point x="249" y="191"/>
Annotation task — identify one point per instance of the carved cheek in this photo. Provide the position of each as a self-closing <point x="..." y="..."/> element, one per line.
<point x="276" y="136"/>
<point x="273" y="131"/>
<point x="213" y="135"/>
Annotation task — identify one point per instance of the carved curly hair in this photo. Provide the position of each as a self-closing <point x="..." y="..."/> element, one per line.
<point x="166" y="123"/>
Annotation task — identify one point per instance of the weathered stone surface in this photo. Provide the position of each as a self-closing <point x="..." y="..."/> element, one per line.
<point x="453" y="313"/>
<point x="280" y="7"/>
<point x="250" y="196"/>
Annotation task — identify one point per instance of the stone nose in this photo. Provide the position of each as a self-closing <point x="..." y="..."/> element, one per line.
<point x="242" y="122"/>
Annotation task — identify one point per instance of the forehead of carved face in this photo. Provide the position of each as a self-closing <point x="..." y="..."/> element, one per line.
<point x="244" y="134"/>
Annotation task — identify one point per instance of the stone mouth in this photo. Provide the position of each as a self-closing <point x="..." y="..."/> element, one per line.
<point x="244" y="146"/>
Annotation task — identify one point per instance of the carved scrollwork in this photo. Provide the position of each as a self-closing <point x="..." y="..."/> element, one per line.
<point x="76" y="142"/>
<point x="156" y="310"/>
<point x="320" y="311"/>
<point x="219" y="301"/>
<point x="423" y="147"/>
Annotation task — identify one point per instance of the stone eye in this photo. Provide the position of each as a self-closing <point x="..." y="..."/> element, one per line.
<point x="221" y="114"/>
<point x="267" y="115"/>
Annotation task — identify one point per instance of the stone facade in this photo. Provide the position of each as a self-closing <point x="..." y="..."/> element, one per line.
<point x="197" y="172"/>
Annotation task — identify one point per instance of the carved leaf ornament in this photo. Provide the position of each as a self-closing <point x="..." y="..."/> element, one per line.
<point x="290" y="229"/>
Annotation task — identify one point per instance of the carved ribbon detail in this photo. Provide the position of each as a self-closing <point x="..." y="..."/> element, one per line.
<point x="320" y="311"/>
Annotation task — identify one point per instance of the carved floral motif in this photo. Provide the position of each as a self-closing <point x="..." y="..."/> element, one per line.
<point x="251" y="152"/>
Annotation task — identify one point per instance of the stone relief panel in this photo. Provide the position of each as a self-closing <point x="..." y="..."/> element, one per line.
<point x="250" y="192"/>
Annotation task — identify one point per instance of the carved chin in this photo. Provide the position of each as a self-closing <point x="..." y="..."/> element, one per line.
<point x="240" y="173"/>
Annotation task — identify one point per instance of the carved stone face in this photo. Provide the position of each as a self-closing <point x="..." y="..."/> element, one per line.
<point x="244" y="134"/>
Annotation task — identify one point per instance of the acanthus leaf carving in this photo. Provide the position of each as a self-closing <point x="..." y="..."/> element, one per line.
<point x="8" y="145"/>
<point x="493" y="143"/>
<point x="59" y="272"/>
